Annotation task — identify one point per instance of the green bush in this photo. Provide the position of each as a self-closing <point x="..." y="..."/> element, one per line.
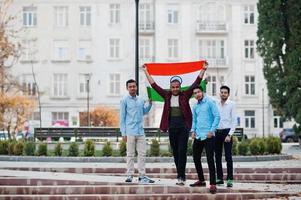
<point x="189" y="148"/>
<point x="122" y="148"/>
<point x="58" y="150"/>
<point x="29" y="149"/>
<point x="11" y="147"/>
<point x="155" y="148"/>
<point x="273" y="145"/>
<point x="262" y="146"/>
<point x="18" y="148"/>
<point x="165" y="154"/>
<point x="234" y="145"/>
<point x="73" y="149"/>
<point x="107" y="149"/>
<point x="243" y="148"/>
<point x="4" y="147"/>
<point x="42" y="149"/>
<point x="89" y="149"/>
<point x="254" y="146"/>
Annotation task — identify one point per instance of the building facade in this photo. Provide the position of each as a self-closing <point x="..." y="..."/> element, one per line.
<point x="82" y="53"/>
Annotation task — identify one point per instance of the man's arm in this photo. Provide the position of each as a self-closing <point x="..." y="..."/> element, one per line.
<point x="147" y="108"/>
<point x="216" y="116"/>
<point x="197" y="82"/>
<point x="151" y="81"/>
<point x="194" y="122"/>
<point x="233" y="119"/>
<point x="122" y="117"/>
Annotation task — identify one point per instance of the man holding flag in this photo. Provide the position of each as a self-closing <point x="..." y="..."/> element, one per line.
<point x="176" y="116"/>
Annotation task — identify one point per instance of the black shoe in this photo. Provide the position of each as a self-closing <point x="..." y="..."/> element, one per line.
<point x="219" y="182"/>
<point x="180" y="182"/>
<point x="198" y="184"/>
<point x="212" y="189"/>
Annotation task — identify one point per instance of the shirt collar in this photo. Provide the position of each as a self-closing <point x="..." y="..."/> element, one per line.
<point x="132" y="97"/>
<point x="204" y="99"/>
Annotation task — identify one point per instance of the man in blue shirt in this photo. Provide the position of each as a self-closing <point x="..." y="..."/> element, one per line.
<point x="132" y="109"/>
<point x="205" y="120"/>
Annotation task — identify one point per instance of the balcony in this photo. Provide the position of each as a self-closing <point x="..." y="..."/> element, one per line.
<point x="217" y="62"/>
<point x="211" y="27"/>
<point x="147" y="27"/>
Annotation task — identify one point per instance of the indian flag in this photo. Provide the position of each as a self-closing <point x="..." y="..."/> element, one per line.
<point x="162" y="73"/>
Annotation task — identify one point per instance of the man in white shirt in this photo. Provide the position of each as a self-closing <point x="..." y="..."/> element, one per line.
<point x="223" y="136"/>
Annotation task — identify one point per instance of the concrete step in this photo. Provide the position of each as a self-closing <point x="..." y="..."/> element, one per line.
<point x="153" y="170"/>
<point x="182" y="196"/>
<point x="110" y="189"/>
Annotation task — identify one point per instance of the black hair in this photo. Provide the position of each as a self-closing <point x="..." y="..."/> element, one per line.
<point x="199" y="87"/>
<point x="225" y="87"/>
<point x="131" y="81"/>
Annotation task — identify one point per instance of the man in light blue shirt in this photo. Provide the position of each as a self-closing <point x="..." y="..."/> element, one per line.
<point x="205" y="120"/>
<point x="132" y="109"/>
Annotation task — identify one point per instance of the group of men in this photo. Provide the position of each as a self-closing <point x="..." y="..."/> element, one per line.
<point x="211" y="124"/>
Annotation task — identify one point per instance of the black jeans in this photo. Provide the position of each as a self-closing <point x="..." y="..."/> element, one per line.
<point x="198" y="146"/>
<point x="178" y="138"/>
<point x="220" y="136"/>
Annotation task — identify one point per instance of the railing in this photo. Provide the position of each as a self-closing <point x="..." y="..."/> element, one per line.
<point x="217" y="62"/>
<point x="211" y="26"/>
<point x="146" y="26"/>
<point x="81" y="132"/>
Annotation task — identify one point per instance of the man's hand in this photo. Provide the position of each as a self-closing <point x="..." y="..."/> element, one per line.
<point x="206" y="65"/>
<point x="150" y="102"/>
<point x="144" y="68"/>
<point x="228" y="138"/>
<point x="210" y="134"/>
<point x="125" y="138"/>
<point x="193" y="135"/>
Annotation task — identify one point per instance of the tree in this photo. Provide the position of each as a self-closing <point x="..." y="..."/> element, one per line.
<point x="100" y="116"/>
<point x="279" y="43"/>
<point x="14" y="106"/>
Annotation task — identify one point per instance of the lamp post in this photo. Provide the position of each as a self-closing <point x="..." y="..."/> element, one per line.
<point x="263" y="112"/>
<point x="88" y="102"/>
<point x="137" y="46"/>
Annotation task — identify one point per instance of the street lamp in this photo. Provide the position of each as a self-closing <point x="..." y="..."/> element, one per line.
<point x="263" y="112"/>
<point x="137" y="46"/>
<point x="88" y="77"/>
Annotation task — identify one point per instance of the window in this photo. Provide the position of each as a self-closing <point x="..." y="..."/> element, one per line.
<point x="114" y="46"/>
<point x="278" y="122"/>
<point x="249" y="118"/>
<point x="84" y="51"/>
<point x="83" y="83"/>
<point x="145" y="17"/>
<point x="28" y="85"/>
<point x="29" y="50"/>
<point x="115" y="84"/>
<point x="173" y="14"/>
<point x="145" y="52"/>
<point x="249" y="49"/>
<point x="29" y="16"/>
<point x="173" y="48"/>
<point x="60" y="118"/>
<point x="213" y="51"/>
<point x="61" y="16"/>
<point x="61" y="50"/>
<point x="114" y="13"/>
<point x="60" y="85"/>
<point x="250" y="85"/>
<point x="249" y="14"/>
<point x="85" y="15"/>
<point x="207" y="13"/>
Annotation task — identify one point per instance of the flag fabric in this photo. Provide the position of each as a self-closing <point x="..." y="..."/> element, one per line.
<point x="162" y="73"/>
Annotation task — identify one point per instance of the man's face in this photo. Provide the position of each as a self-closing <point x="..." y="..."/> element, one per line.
<point x="175" y="88"/>
<point x="198" y="94"/>
<point x="224" y="94"/>
<point x="132" y="88"/>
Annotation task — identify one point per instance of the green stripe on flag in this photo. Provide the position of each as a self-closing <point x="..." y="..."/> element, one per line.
<point x="153" y="95"/>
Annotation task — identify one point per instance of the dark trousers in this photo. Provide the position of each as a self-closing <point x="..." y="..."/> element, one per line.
<point x="220" y="136"/>
<point x="198" y="146"/>
<point x="178" y="138"/>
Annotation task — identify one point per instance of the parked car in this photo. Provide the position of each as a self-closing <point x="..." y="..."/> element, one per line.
<point x="288" y="135"/>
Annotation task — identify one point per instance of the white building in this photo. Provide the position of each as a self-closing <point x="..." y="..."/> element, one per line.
<point x="67" y="41"/>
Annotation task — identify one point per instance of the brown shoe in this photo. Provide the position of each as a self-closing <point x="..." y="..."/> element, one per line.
<point x="212" y="189"/>
<point x="198" y="184"/>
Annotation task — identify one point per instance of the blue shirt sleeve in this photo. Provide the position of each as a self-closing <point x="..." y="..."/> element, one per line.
<point x="147" y="108"/>
<point x="194" y="119"/>
<point x="122" y="116"/>
<point x="216" y="116"/>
